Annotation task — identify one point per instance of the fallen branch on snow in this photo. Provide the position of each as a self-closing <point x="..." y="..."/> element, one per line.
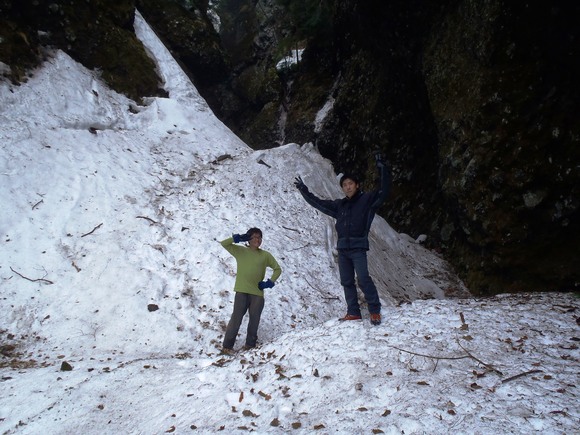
<point x="429" y="356"/>
<point x="488" y="366"/>
<point x="320" y="291"/>
<point x="511" y="378"/>
<point x="148" y="219"/>
<point x="93" y="230"/>
<point x="46" y="281"/>
<point x="438" y="358"/>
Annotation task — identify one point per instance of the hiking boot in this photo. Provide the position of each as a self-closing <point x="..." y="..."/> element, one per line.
<point x="349" y="317"/>
<point x="376" y="319"/>
<point x="227" y="351"/>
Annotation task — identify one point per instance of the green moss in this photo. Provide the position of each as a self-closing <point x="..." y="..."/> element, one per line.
<point x="99" y="34"/>
<point x="124" y="64"/>
<point x="19" y="49"/>
<point x="263" y="128"/>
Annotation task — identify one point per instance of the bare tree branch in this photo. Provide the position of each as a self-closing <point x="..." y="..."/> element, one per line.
<point x="328" y="298"/>
<point x="46" y="281"/>
<point x="300" y="247"/>
<point x="430" y="356"/>
<point x="511" y="378"/>
<point x="93" y="230"/>
<point x="488" y="366"/>
<point x="437" y="358"/>
<point x="148" y="219"/>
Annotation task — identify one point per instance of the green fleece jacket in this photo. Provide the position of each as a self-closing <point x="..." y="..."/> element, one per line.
<point x="252" y="266"/>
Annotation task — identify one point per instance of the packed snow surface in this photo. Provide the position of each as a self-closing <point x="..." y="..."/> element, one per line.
<point x="114" y="290"/>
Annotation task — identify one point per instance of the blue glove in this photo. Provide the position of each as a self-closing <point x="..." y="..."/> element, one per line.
<point x="300" y="184"/>
<point x="265" y="284"/>
<point x="241" y="238"/>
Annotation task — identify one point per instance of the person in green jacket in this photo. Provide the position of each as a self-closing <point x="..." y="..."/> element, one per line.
<point x="250" y="285"/>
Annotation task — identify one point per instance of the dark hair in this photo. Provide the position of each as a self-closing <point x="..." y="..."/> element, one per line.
<point x="349" y="177"/>
<point x="253" y="231"/>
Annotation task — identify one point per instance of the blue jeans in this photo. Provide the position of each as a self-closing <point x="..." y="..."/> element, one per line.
<point x="349" y="262"/>
<point x="244" y="302"/>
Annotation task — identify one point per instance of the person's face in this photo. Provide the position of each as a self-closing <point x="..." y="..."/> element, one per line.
<point x="255" y="241"/>
<point x="349" y="187"/>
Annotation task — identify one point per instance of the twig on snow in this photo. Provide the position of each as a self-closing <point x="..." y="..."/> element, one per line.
<point x="222" y="158"/>
<point x="93" y="230"/>
<point x="488" y="366"/>
<point x="37" y="204"/>
<point x="300" y="247"/>
<point x="46" y="281"/>
<point x="437" y="358"/>
<point x="148" y="219"/>
<point x="430" y="356"/>
<point x="511" y="378"/>
<point x="329" y="298"/>
<point x="311" y="286"/>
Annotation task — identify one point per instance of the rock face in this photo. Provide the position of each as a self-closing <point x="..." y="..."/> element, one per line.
<point x="501" y="84"/>
<point x="99" y="34"/>
<point x="250" y="32"/>
<point x="192" y="39"/>
<point x="474" y="103"/>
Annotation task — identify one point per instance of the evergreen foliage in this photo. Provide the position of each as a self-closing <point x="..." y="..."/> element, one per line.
<point x="311" y="19"/>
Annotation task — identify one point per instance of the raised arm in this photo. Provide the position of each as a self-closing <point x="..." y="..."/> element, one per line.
<point x="385" y="175"/>
<point x="326" y="206"/>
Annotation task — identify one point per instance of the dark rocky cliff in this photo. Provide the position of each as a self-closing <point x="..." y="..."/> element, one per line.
<point x="99" y="34"/>
<point x="501" y="80"/>
<point x="474" y="104"/>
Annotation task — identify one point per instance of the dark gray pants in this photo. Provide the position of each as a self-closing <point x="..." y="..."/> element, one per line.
<point x="243" y="303"/>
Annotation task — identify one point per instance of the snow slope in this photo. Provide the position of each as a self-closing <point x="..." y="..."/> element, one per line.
<point x="110" y="262"/>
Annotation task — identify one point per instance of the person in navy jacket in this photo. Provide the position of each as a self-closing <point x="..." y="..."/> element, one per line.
<point x="354" y="214"/>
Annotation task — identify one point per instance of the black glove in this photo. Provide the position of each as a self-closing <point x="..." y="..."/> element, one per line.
<point x="241" y="237"/>
<point x="300" y="184"/>
<point x="265" y="284"/>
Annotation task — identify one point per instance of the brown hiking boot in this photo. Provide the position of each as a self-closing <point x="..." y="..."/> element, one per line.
<point x="376" y="319"/>
<point x="350" y="317"/>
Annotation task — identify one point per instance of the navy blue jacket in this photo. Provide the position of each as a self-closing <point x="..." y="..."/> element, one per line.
<point x="353" y="215"/>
